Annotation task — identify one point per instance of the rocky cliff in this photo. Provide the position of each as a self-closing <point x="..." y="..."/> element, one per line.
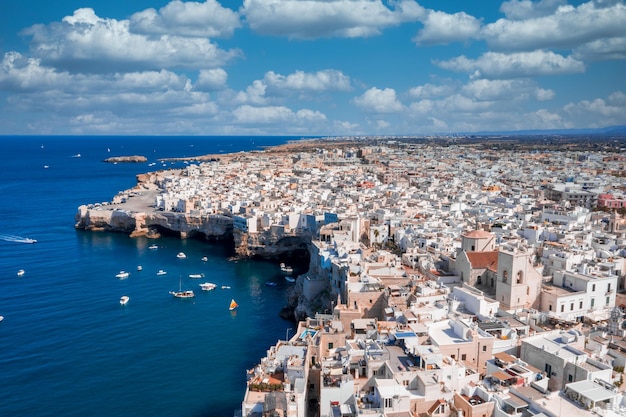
<point x="142" y="223"/>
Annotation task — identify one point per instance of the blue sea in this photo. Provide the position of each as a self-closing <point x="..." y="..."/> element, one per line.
<point x="67" y="346"/>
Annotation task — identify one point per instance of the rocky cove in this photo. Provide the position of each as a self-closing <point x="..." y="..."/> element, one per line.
<point x="134" y="212"/>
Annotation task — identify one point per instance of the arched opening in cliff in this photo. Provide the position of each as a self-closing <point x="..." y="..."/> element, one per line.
<point x="294" y="251"/>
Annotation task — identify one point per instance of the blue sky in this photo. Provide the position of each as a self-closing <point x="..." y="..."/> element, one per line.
<point x="314" y="67"/>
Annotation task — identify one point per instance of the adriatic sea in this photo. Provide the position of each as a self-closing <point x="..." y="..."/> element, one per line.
<point x="67" y="346"/>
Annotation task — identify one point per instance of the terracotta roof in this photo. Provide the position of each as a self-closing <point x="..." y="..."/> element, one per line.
<point x="436" y="405"/>
<point x="478" y="234"/>
<point x="484" y="260"/>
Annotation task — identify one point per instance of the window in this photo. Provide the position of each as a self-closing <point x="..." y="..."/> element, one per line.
<point x="388" y="403"/>
<point x="593" y="301"/>
<point x="562" y="308"/>
<point x="593" y="287"/>
<point x="570" y="378"/>
<point x="520" y="277"/>
<point x="548" y="369"/>
<point x="550" y="307"/>
<point x="505" y="276"/>
<point x="608" y="288"/>
<point x="580" y="305"/>
<point x="330" y="345"/>
<point x="571" y="307"/>
<point x="608" y="300"/>
<point x="463" y="357"/>
<point x="484" y="348"/>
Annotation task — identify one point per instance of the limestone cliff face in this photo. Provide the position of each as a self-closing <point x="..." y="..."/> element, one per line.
<point x="268" y="245"/>
<point x="140" y="223"/>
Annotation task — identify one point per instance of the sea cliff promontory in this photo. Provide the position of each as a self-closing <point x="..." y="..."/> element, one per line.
<point x="131" y="158"/>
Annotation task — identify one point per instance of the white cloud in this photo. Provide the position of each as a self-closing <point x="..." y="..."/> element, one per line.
<point x="568" y="27"/>
<point x="526" y="9"/>
<point x="431" y="90"/>
<point x="211" y="79"/>
<point x="442" y="28"/>
<point x="602" y="49"/>
<point x="505" y="90"/>
<point x="254" y="94"/>
<point x="85" y="42"/>
<point x="274" y="114"/>
<point x="520" y="64"/>
<point x="191" y="19"/>
<point x="309" y="19"/>
<point x="379" y="101"/>
<point x="325" y="80"/>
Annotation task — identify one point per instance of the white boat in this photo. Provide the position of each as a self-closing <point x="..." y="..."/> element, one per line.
<point x="29" y="240"/>
<point x="233" y="305"/>
<point x="207" y="286"/>
<point x="285" y="269"/>
<point x="153" y="247"/>
<point x="182" y="294"/>
<point x="196" y="275"/>
<point x="290" y="279"/>
<point x="139" y="267"/>
<point x="122" y="274"/>
<point x="21" y="272"/>
<point x="181" y="255"/>
<point x="124" y="299"/>
<point x="161" y="272"/>
<point x="271" y="283"/>
<point x="204" y="259"/>
<point x="1" y="318"/>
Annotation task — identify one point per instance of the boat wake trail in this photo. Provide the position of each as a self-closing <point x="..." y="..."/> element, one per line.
<point x="17" y="239"/>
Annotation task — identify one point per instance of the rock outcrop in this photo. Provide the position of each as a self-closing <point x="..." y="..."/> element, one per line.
<point x="131" y="158"/>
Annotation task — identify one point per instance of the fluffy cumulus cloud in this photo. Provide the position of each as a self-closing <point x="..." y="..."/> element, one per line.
<point x="309" y="19"/>
<point x="441" y="28"/>
<point x="324" y="80"/>
<point x="376" y="100"/>
<point x="275" y="115"/>
<point x="190" y="19"/>
<point x="520" y="64"/>
<point x="85" y="42"/>
<point x="598" y="112"/>
<point x="567" y="27"/>
<point x="431" y="90"/>
<point x="506" y="90"/>
<point x="527" y="9"/>
<point x="211" y="79"/>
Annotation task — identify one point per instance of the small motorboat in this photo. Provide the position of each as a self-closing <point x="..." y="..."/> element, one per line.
<point x="207" y="286"/>
<point x="1" y="318"/>
<point x="290" y="279"/>
<point x="139" y="267"/>
<point x="204" y="259"/>
<point x="124" y="299"/>
<point x="122" y="274"/>
<point x="153" y="247"/>
<point x="181" y="255"/>
<point x="285" y="269"/>
<point x="226" y="287"/>
<point x="21" y="273"/>
<point x="161" y="272"/>
<point x="271" y="283"/>
<point x="196" y="276"/>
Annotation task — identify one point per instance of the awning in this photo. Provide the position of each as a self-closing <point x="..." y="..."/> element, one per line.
<point x="502" y="376"/>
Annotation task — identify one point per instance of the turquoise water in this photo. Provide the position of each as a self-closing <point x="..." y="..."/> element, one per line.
<point x="67" y="346"/>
